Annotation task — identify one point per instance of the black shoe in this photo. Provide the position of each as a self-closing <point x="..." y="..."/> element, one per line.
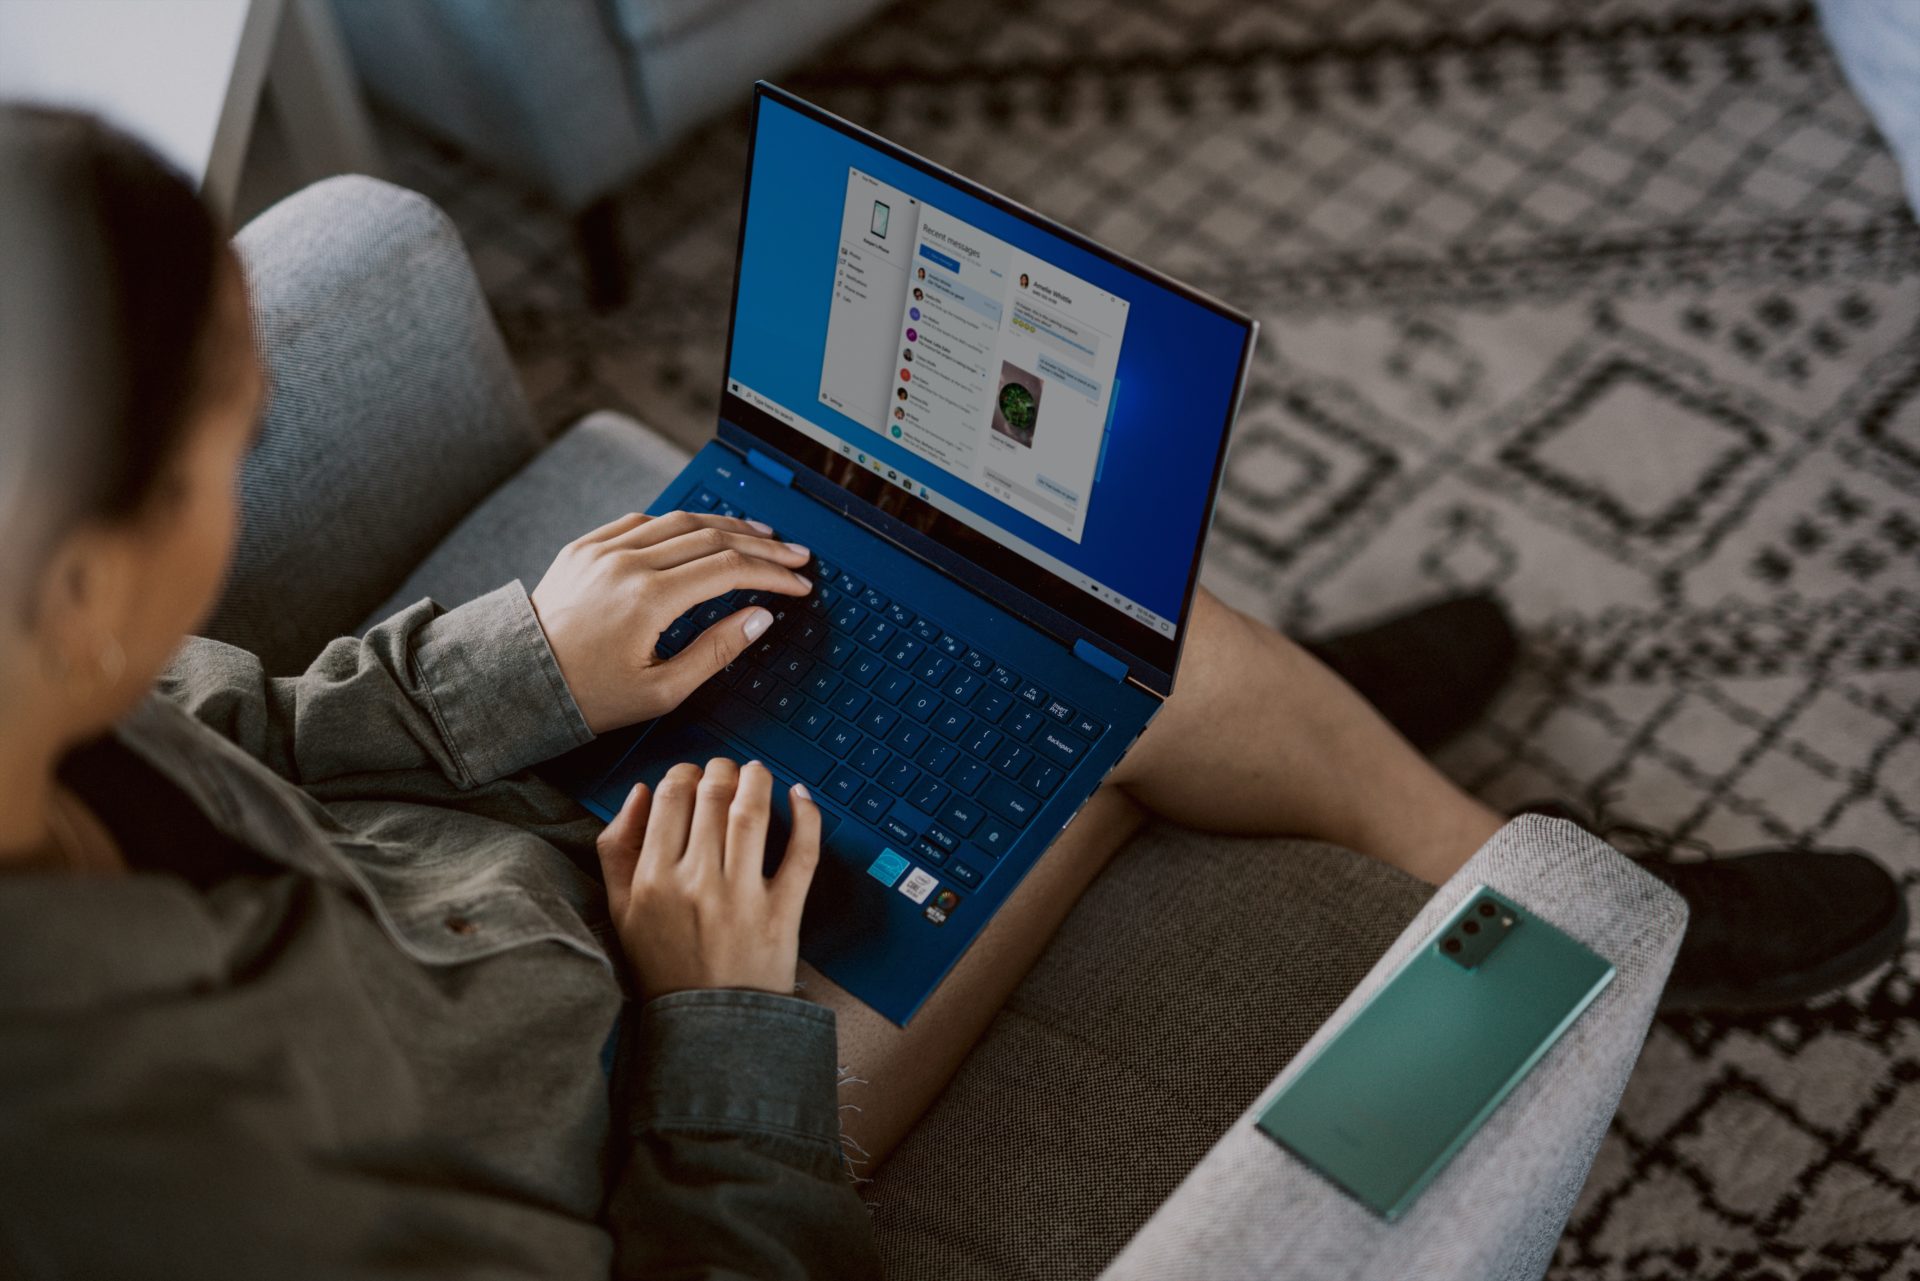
<point x="1768" y="929"/>
<point x="1430" y="671"/>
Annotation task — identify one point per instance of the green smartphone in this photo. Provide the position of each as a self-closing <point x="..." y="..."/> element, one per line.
<point x="1385" y="1104"/>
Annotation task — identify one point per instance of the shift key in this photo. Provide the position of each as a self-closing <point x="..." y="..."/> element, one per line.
<point x="773" y="740"/>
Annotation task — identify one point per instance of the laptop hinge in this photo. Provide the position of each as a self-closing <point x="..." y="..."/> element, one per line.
<point x="1098" y="659"/>
<point x="767" y="467"/>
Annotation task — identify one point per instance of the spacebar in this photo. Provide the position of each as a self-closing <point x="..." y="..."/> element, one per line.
<point x="780" y="744"/>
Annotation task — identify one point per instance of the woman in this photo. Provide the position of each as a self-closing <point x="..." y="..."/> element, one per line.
<point x="308" y="975"/>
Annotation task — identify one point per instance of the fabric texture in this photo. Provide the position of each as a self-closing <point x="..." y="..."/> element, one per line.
<point x="537" y="90"/>
<point x="1878" y="45"/>
<point x="1188" y="974"/>
<point x="1250" y="1209"/>
<point x="384" y="1058"/>
<point x="602" y="468"/>
<point x="394" y="409"/>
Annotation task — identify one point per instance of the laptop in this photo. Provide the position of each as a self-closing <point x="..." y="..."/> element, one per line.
<point x="1002" y="443"/>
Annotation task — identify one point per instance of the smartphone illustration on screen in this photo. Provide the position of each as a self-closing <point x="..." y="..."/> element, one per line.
<point x="1383" y="1106"/>
<point x="880" y="215"/>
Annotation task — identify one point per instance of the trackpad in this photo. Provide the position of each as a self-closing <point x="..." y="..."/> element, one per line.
<point x="670" y="744"/>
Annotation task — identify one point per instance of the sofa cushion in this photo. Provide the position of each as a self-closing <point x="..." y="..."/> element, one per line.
<point x="604" y="466"/>
<point x="1190" y="972"/>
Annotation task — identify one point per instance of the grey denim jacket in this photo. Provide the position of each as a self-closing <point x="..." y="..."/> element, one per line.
<point x="386" y="1057"/>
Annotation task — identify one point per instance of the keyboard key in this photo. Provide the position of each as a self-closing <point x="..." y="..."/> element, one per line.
<point x="977" y="661"/>
<point x="1032" y="693"/>
<point x="894" y="687"/>
<point x="792" y="667"/>
<point x="1008" y="801"/>
<point x="898" y="777"/>
<point x="913" y="818"/>
<point x="927" y="794"/>
<point x="824" y="600"/>
<point x="936" y="757"/>
<point x="933" y="668"/>
<point x="961" y="815"/>
<point x="847" y="617"/>
<point x="701" y="500"/>
<point x="848" y="701"/>
<point x="982" y="741"/>
<point x="907" y="737"/>
<point x="967" y="775"/>
<point x="927" y="852"/>
<point x="1060" y="745"/>
<point x="992" y="704"/>
<point x="962" y="686"/>
<point x="864" y="668"/>
<point x="925" y="630"/>
<point x="755" y="685"/>
<point x="813" y="720"/>
<point x="921" y="703"/>
<point x="898" y="831"/>
<point x="873" y="803"/>
<point x="840" y="739"/>
<point x="783" y="702"/>
<point x="1010" y="759"/>
<point x="899" y="615"/>
<point x="952" y="646"/>
<point x="965" y="873"/>
<point x="874" y="633"/>
<point x="1022" y="723"/>
<point x="849" y="584"/>
<point x="870" y="759"/>
<point x="874" y="600"/>
<point x="844" y="784"/>
<point x="1059" y="711"/>
<point x="822" y="682"/>
<point x="944" y="839"/>
<point x="878" y="719"/>
<point x="1041" y="778"/>
<point x="774" y="741"/>
<point x="903" y="650"/>
<point x="995" y="837"/>
<point x="836" y="650"/>
<point x="1006" y="678"/>
<point x="823" y="571"/>
<point x="1087" y="727"/>
<point x="807" y="633"/>
<point x="951" y="722"/>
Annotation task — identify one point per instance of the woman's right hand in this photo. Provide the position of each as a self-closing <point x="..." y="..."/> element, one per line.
<point x="686" y="885"/>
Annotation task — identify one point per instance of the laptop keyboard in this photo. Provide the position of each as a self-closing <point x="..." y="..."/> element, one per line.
<point x="893" y="716"/>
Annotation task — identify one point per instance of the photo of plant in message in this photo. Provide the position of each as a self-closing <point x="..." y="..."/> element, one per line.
<point x="1017" y="407"/>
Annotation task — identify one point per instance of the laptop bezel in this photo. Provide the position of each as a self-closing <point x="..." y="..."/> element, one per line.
<point x="1030" y="591"/>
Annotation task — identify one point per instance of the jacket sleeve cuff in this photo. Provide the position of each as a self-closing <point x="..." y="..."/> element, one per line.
<point x="741" y="1062"/>
<point x="495" y="686"/>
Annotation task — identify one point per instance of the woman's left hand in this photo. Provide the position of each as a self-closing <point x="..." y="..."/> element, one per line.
<point x="609" y="594"/>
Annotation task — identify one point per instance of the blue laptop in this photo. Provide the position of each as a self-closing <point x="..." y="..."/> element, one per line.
<point x="1001" y="442"/>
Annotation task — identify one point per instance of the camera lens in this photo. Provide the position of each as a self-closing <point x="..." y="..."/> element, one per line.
<point x="1469" y="927"/>
<point x="1451" y="945"/>
<point x="1486" y="909"/>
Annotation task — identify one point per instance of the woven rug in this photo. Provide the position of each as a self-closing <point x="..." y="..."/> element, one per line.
<point x="1609" y="306"/>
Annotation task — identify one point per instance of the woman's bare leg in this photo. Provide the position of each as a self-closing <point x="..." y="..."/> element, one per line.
<point x="1258" y="738"/>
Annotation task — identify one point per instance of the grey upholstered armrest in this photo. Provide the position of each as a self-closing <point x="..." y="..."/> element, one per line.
<point x="394" y="411"/>
<point x="1251" y="1209"/>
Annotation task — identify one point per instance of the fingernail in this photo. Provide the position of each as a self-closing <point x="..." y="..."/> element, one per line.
<point x="806" y="584"/>
<point x="800" y="790"/>
<point x="760" y="527"/>
<point x="758" y="620"/>
<point x="798" y="549"/>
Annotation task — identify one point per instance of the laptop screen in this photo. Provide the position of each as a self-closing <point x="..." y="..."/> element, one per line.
<point x="1026" y="399"/>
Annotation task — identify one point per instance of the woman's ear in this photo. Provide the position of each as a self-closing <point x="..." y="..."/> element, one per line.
<point x="81" y="607"/>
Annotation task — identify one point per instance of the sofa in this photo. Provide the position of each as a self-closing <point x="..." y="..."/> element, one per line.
<point x="1103" y="1125"/>
<point x="574" y="98"/>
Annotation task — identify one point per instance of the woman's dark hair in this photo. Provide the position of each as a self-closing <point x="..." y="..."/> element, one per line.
<point x="154" y="252"/>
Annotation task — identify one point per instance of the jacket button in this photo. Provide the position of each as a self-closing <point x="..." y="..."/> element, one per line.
<point x="461" y="925"/>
